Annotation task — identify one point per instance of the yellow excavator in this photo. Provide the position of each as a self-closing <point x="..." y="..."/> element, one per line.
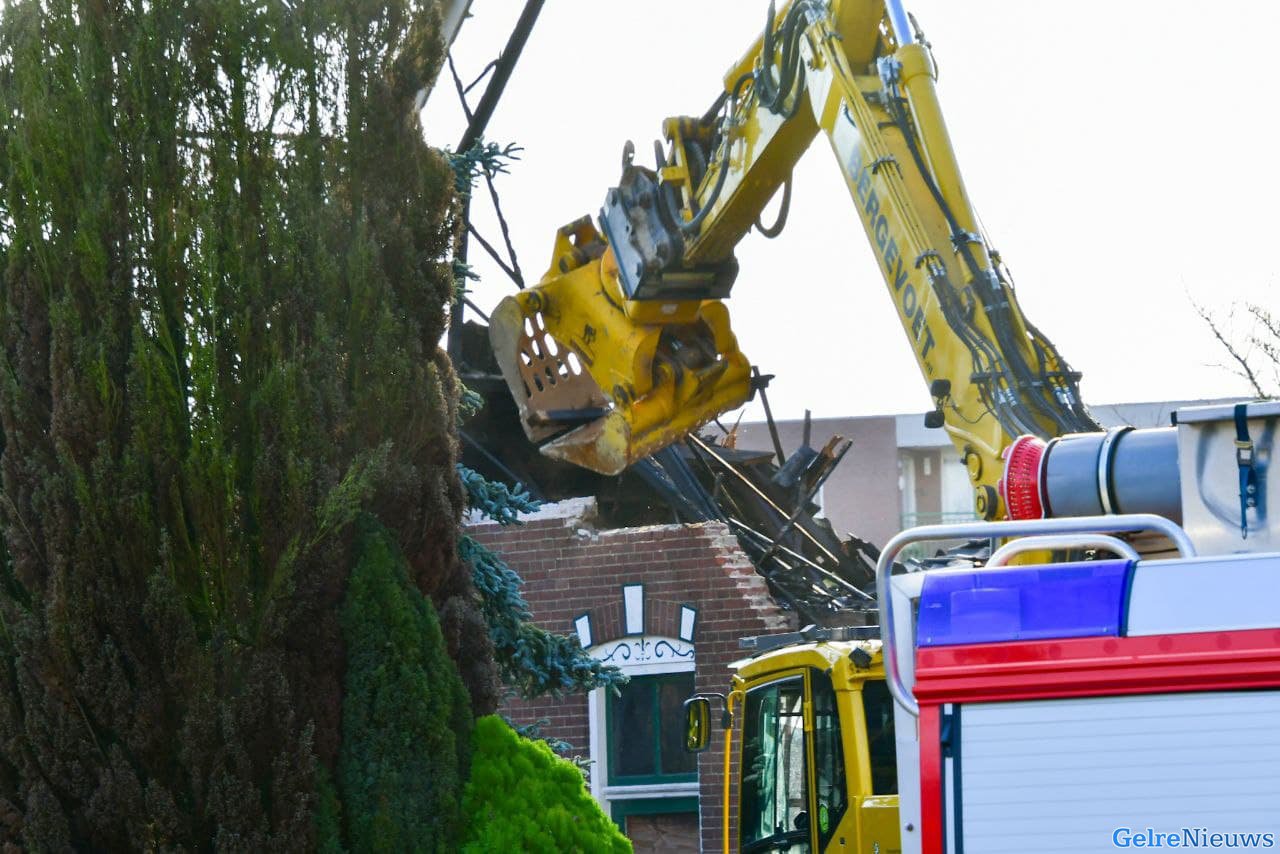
<point x="625" y="346"/>
<point x="850" y="738"/>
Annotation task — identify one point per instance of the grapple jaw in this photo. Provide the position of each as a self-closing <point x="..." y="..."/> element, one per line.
<point x="601" y="381"/>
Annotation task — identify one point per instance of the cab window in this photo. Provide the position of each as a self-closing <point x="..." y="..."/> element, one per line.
<point x="831" y="789"/>
<point x="877" y="704"/>
<point x="774" y="801"/>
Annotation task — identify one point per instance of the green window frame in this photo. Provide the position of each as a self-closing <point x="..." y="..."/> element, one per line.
<point x="671" y="764"/>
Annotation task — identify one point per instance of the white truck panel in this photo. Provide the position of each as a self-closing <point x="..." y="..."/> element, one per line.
<point x="1064" y="775"/>
<point x="1204" y="595"/>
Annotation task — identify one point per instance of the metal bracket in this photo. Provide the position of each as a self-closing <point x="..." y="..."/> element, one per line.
<point x="927" y="255"/>
<point x="885" y="160"/>
<point x="890" y="71"/>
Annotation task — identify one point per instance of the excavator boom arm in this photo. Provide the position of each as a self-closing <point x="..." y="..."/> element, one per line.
<point x="625" y="346"/>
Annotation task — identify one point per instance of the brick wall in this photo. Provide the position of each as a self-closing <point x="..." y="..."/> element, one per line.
<point x="569" y="568"/>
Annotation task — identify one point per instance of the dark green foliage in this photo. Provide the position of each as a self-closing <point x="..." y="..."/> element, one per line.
<point x="406" y="718"/>
<point x="328" y="816"/>
<point x="522" y="797"/>
<point x="224" y="271"/>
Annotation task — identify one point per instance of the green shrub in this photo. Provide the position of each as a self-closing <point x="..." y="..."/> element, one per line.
<point x="522" y="797"/>
<point x="406" y="717"/>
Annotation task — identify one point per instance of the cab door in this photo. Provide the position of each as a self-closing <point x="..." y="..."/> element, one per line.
<point x="817" y="766"/>
<point x="774" y="804"/>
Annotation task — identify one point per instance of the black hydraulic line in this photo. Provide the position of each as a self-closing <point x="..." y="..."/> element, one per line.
<point x="478" y="121"/>
<point x="764" y="80"/>
<point x="773" y="95"/>
<point x="791" y="71"/>
<point x="1025" y="422"/>
<point x="796" y="104"/>
<point x="701" y="213"/>
<point x="1084" y="422"/>
<point x="1002" y="325"/>
<point x="774" y="230"/>
<point x="997" y="313"/>
<point x="770" y="97"/>
<point x="506" y="63"/>
<point x="971" y="336"/>
<point x="695" y="161"/>
<point x="1075" y="418"/>
<point x="714" y="110"/>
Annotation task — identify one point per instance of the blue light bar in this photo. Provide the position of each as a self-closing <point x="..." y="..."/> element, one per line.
<point x="1070" y="600"/>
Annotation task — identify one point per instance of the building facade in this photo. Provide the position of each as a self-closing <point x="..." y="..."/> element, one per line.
<point x="667" y="604"/>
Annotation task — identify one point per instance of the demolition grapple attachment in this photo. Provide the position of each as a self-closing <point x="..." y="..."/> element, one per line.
<point x="601" y="380"/>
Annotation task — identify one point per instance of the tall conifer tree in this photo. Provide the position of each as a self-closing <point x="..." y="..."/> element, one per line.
<point x="224" y="272"/>
<point x="225" y="257"/>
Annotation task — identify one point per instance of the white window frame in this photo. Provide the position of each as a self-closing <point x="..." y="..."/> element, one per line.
<point x="649" y="655"/>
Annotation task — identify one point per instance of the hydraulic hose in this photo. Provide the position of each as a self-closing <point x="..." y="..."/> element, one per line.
<point x="998" y="313"/>
<point x="776" y="229"/>
<point x="1013" y="419"/>
<point x="701" y="213"/>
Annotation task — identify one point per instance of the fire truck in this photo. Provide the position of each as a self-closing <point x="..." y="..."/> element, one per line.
<point x="1121" y="690"/>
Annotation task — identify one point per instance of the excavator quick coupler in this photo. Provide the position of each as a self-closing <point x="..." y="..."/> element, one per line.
<point x="601" y="380"/>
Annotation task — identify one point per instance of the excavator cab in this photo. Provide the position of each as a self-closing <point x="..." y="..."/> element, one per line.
<point x="608" y="365"/>
<point x="811" y="723"/>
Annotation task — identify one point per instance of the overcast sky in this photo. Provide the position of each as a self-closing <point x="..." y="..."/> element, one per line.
<point x="1120" y="154"/>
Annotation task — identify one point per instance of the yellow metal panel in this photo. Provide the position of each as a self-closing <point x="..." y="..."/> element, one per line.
<point x="878" y="826"/>
<point x="661" y="370"/>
